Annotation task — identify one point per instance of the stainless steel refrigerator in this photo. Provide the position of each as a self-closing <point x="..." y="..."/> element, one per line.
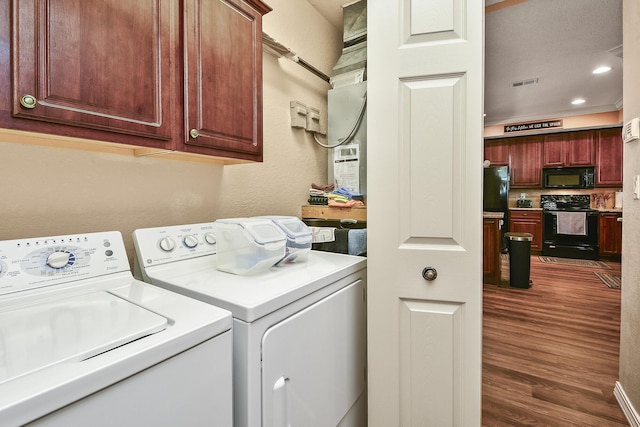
<point x="496" y="195"/>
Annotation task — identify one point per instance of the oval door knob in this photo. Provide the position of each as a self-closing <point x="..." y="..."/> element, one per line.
<point x="194" y="133"/>
<point x="429" y="273"/>
<point x="28" y="101"/>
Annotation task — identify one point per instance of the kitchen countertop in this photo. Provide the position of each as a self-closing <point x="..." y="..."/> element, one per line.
<point x="525" y="209"/>
<point x="486" y="214"/>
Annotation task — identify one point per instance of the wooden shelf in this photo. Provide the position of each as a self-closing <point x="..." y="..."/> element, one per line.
<point x="359" y="213"/>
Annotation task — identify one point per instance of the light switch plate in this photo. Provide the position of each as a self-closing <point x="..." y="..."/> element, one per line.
<point x="636" y="187"/>
<point x="298" y="114"/>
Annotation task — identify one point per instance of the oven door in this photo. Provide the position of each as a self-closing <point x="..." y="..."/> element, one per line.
<point x="551" y="233"/>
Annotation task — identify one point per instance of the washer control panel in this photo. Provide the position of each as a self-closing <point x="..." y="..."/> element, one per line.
<point x="161" y="245"/>
<point x="45" y="261"/>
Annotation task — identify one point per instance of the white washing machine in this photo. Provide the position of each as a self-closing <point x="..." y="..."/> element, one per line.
<point x="82" y="343"/>
<point x="299" y="330"/>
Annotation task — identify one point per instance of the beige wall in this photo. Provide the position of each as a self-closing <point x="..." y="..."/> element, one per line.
<point x="51" y="191"/>
<point x="611" y="118"/>
<point x="630" y="322"/>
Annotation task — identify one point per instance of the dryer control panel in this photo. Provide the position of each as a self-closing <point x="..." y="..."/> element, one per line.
<point x="161" y="245"/>
<point x="45" y="261"/>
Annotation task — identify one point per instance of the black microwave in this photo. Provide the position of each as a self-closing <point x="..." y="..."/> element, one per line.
<point x="582" y="177"/>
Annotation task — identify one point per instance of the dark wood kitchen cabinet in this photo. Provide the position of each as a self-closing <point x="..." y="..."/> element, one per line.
<point x="160" y="74"/>
<point x="497" y="151"/>
<point x="609" y="147"/>
<point x="491" y="250"/>
<point x="569" y="149"/>
<point x="527" y="221"/>
<point x="526" y="162"/>
<point x="610" y="234"/>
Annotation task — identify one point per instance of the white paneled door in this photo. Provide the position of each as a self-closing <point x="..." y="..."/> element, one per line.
<point x="425" y="129"/>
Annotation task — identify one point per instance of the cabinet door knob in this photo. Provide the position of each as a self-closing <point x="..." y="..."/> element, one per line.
<point x="429" y="273"/>
<point x="28" y="101"/>
<point x="194" y="133"/>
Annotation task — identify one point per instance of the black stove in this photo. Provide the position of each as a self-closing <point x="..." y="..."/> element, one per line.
<point x="574" y="202"/>
<point x="570" y="226"/>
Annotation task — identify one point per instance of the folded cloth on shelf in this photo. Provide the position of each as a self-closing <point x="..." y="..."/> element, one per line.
<point x="347" y="204"/>
<point x="325" y="187"/>
<point x="573" y="223"/>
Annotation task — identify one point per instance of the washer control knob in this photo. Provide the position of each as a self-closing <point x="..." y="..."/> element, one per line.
<point x="210" y="238"/>
<point x="190" y="241"/>
<point x="58" y="259"/>
<point x="167" y="244"/>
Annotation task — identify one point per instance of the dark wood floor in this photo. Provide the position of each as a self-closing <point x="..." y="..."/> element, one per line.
<point x="550" y="353"/>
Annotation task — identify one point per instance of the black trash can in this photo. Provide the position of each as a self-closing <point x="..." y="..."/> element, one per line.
<point x="519" y="259"/>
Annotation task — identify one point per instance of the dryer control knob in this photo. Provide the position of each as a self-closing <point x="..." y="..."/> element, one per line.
<point x="58" y="259"/>
<point x="210" y="238"/>
<point x="167" y="244"/>
<point x="190" y="241"/>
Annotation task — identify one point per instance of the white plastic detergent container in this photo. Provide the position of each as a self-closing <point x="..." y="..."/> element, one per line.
<point x="248" y="245"/>
<point x="299" y="237"/>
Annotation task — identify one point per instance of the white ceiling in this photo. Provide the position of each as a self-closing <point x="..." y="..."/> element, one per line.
<point x="559" y="42"/>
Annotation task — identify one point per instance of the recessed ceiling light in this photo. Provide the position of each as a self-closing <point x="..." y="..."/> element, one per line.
<point x="601" y="70"/>
<point x="578" y="101"/>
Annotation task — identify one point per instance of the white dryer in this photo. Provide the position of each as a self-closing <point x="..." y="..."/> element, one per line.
<point x="299" y="330"/>
<point x="82" y="343"/>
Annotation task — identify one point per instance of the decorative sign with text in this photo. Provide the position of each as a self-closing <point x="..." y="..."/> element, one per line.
<point x="523" y="127"/>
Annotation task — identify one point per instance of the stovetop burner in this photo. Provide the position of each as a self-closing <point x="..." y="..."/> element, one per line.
<point x="574" y="202"/>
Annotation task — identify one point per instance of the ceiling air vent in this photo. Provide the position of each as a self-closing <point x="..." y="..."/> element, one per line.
<point x="526" y="82"/>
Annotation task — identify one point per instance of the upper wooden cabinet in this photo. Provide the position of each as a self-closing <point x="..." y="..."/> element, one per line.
<point x="497" y="151"/>
<point x="164" y="74"/>
<point x="223" y="72"/>
<point x="569" y="149"/>
<point x="609" y="148"/>
<point x="526" y="162"/>
<point x="108" y="66"/>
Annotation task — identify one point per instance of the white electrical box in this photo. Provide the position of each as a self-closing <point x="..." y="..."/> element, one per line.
<point x="631" y="130"/>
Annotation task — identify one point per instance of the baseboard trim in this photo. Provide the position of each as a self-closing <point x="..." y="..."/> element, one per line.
<point x="626" y="405"/>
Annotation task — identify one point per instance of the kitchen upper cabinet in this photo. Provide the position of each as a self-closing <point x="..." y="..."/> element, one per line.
<point x="610" y="234"/>
<point x="497" y="151"/>
<point x="609" y="147"/>
<point x="526" y="162"/>
<point x="569" y="149"/>
<point x="159" y="74"/>
<point x="581" y="148"/>
<point x="223" y="72"/>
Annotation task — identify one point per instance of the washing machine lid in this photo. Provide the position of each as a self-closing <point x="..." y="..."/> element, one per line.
<point x="251" y="297"/>
<point x="70" y="328"/>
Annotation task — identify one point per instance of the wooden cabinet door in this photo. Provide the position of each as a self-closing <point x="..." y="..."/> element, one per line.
<point x="581" y="148"/>
<point x="527" y="222"/>
<point x="491" y="250"/>
<point x="497" y="151"/>
<point x="526" y="162"/>
<point x="555" y="150"/>
<point x="106" y="66"/>
<point x="223" y="77"/>
<point x="609" y="148"/>
<point x="610" y="234"/>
